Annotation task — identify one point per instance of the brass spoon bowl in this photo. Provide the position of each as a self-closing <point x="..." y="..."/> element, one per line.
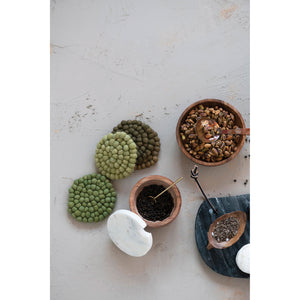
<point x="213" y="243"/>
<point x="203" y="123"/>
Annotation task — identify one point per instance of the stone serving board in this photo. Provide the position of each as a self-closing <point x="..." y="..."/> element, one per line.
<point x="222" y="261"/>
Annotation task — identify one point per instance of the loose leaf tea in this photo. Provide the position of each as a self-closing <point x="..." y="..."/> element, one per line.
<point x="91" y="198"/>
<point x="146" y="139"/>
<point x="226" y="229"/>
<point x="154" y="209"/>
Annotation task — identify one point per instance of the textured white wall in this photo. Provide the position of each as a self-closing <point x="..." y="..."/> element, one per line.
<point x="114" y="60"/>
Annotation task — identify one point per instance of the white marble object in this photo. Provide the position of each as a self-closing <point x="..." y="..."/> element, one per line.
<point x="126" y="230"/>
<point x="145" y="60"/>
<point x="243" y="258"/>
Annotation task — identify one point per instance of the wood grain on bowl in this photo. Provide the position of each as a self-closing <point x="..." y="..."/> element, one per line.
<point x="212" y="242"/>
<point x="158" y="180"/>
<point x="211" y="103"/>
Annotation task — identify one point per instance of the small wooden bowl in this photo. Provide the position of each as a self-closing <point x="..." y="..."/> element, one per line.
<point x="160" y="180"/>
<point x="211" y="103"/>
<point x="212" y="243"/>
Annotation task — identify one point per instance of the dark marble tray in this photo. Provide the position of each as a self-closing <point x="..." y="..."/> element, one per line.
<point x="222" y="261"/>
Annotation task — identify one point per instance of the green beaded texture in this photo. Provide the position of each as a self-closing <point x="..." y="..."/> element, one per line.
<point x="116" y="155"/>
<point x="91" y="198"/>
<point x="146" y="139"/>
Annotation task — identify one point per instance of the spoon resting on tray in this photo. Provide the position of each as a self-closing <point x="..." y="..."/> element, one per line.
<point x="208" y="130"/>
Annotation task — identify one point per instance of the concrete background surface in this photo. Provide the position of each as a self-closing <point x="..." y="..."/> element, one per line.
<point x="145" y="60"/>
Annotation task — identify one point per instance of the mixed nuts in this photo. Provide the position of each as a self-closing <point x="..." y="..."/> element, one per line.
<point x="214" y="151"/>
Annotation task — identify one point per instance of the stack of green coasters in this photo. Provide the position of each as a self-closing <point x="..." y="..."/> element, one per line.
<point x="146" y="139"/>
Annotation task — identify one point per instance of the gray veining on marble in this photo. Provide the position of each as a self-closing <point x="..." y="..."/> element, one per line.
<point x="149" y="60"/>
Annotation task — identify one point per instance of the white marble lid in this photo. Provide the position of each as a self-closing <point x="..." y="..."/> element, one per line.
<point x="126" y="230"/>
<point x="243" y="259"/>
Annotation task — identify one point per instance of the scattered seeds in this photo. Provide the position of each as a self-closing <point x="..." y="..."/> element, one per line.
<point x="154" y="209"/>
<point x="226" y="229"/>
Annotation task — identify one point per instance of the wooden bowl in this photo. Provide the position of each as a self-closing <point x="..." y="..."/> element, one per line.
<point x="160" y="180"/>
<point x="211" y="103"/>
<point x="212" y="243"/>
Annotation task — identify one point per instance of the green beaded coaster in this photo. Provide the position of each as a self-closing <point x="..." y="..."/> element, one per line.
<point x="91" y="198"/>
<point x="116" y="155"/>
<point x="146" y="139"/>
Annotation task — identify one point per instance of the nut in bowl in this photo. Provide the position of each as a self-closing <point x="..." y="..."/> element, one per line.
<point x="219" y="151"/>
<point x="155" y="212"/>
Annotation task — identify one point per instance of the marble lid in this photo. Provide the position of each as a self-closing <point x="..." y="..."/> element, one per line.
<point x="126" y="230"/>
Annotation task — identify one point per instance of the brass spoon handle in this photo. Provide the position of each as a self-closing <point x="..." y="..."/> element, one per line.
<point x="179" y="179"/>
<point x="235" y="131"/>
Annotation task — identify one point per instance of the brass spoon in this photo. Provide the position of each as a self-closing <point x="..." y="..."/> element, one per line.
<point x="179" y="179"/>
<point x="210" y="123"/>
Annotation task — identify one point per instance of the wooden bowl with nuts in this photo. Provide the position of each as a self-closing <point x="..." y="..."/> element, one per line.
<point x="214" y="153"/>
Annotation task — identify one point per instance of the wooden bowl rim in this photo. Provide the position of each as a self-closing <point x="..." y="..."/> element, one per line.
<point x="241" y="215"/>
<point x="159" y="180"/>
<point x="223" y="104"/>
